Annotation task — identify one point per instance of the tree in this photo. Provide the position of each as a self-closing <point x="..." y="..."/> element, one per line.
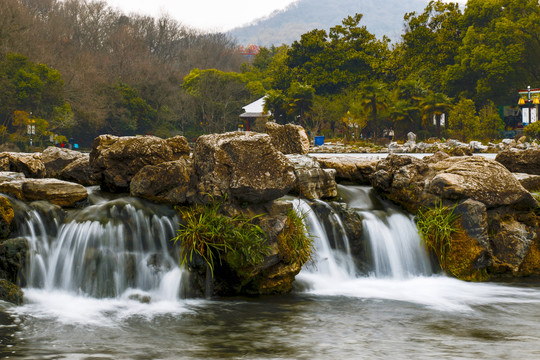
<point x="374" y="99"/>
<point x="464" y="124"/>
<point x="432" y="107"/>
<point x="491" y="124"/>
<point x="219" y="97"/>
<point x="300" y="98"/>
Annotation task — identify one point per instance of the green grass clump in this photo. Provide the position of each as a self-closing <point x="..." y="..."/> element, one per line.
<point x="294" y="242"/>
<point x="206" y="232"/>
<point x="437" y="226"/>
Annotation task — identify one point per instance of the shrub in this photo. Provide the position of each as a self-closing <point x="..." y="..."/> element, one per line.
<point x="436" y="226"/>
<point x="532" y="130"/>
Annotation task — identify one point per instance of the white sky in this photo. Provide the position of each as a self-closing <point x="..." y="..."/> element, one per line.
<point x="212" y="15"/>
<point x="215" y="15"/>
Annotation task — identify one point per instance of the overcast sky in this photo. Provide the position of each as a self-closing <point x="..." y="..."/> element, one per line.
<point x="213" y="15"/>
<point x="218" y="15"/>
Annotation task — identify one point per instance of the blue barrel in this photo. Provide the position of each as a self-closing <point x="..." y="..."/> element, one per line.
<point x="319" y="140"/>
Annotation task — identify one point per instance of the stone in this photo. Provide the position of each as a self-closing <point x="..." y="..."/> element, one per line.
<point x="412" y="182"/>
<point x="481" y="179"/>
<point x="349" y="170"/>
<point x="6" y="217"/>
<point x="520" y="161"/>
<point x="58" y="192"/>
<point x="411" y="137"/>
<point x="170" y="182"/>
<point x="288" y="138"/>
<point x="244" y="166"/>
<point x="55" y="159"/>
<point x="312" y="182"/>
<point x="29" y="164"/>
<point x="115" y="160"/>
<point x="13" y="255"/>
<point x="79" y="171"/>
<point x="10" y="292"/>
<point x="528" y="181"/>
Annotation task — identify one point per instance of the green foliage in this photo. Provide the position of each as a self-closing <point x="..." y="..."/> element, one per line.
<point x="205" y="232"/>
<point x="464" y="124"/>
<point x="532" y="130"/>
<point x="491" y="124"/>
<point x="295" y="243"/>
<point x="436" y="226"/>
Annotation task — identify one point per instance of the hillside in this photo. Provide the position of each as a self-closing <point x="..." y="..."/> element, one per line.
<point x="286" y="26"/>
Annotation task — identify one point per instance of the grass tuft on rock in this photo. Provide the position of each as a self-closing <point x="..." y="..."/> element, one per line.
<point x="436" y="226"/>
<point x="207" y="233"/>
<point x="295" y="243"/>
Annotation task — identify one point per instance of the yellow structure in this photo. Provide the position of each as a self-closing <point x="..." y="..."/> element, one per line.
<point x="529" y="101"/>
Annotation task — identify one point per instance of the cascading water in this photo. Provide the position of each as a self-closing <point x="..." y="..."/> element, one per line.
<point x="396" y="248"/>
<point x="110" y="249"/>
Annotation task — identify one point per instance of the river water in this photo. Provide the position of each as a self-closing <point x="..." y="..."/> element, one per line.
<point x="401" y="309"/>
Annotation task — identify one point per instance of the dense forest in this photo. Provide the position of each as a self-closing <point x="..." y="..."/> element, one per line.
<point x="75" y="69"/>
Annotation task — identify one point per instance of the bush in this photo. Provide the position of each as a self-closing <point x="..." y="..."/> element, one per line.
<point x="532" y="131"/>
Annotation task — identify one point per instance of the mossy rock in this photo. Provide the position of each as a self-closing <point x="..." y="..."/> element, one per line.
<point x="466" y="259"/>
<point x="6" y="217"/>
<point x="10" y="292"/>
<point x="531" y="263"/>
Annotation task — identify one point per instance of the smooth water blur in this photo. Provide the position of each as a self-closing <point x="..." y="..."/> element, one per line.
<point x="400" y="310"/>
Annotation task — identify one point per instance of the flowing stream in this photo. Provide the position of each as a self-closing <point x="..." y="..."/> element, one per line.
<point x="103" y="285"/>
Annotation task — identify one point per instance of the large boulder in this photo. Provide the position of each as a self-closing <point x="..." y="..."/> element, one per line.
<point x="29" y="164"/>
<point x="115" y="160"/>
<point x="79" y="171"/>
<point x="244" y="166"/>
<point x="58" y="192"/>
<point x="288" y="138"/>
<point x="312" y="182"/>
<point x="169" y="182"/>
<point x="412" y="182"/>
<point x="349" y="169"/>
<point x="521" y="161"/>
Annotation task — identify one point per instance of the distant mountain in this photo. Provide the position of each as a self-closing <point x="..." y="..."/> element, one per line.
<point x="381" y="17"/>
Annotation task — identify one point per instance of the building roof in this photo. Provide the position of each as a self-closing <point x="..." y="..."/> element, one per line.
<point x="255" y="109"/>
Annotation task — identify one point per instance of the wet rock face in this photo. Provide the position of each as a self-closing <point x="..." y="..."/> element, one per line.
<point x="289" y="138"/>
<point x="245" y="166"/>
<point x="116" y="160"/>
<point x="6" y="217"/>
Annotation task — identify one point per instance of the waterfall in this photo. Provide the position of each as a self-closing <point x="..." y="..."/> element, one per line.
<point x="391" y="236"/>
<point x="112" y="248"/>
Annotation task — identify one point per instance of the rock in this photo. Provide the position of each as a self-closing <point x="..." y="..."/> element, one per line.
<point x="412" y="182"/>
<point x="288" y="138"/>
<point x="79" y="171"/>
<point x="55" y="159"/>
<point x="312" y="182"/>
<point x="528" y="181"/>
<point x="477" y="146"/>
<point x="169" y="182"/>
<point x="13" y="255"/>
<point x="245" y="166"/>
<point x="10" y="292"/>
<point x="29" y="164"/>
<point x="520" y="161"/>
<point x="349" y="169"/>
<point x="480" y="179"/>
<point x="115" y="160"/>
<point x="58" y="192"/>
<point x="6" y="217"/>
